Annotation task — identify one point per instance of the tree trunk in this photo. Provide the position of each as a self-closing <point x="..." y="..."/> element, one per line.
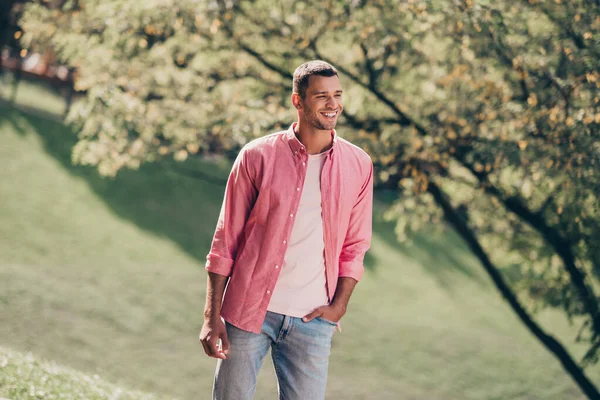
<point x="16" y="79"/>
<point x="553" y="345"/>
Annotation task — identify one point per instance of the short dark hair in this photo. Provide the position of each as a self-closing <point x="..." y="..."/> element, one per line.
<point x="308" y="69"/>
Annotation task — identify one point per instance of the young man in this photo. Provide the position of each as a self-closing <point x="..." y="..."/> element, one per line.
<point x="289" y="245"/>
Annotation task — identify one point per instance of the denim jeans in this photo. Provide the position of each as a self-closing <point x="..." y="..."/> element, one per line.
<point x="300" y="352"/>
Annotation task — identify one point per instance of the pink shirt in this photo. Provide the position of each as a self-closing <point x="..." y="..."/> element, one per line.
<point x="261" y="199"/>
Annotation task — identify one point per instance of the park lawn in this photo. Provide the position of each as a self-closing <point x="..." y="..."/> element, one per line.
<point x="35" y="95"/>
<point x="23" y="377"/>
<point x="106" y="277"/>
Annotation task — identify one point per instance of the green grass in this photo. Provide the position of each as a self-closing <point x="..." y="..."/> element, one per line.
<point x="106" y="277"/>
<point x="32" y="95"/>
<point x="24" y="377"/>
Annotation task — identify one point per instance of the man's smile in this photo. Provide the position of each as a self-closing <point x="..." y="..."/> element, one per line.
<point x="329" y="114"/>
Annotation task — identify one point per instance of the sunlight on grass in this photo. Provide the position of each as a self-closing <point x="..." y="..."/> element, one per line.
<point x="34" y="95"/>
<point x="24" y="377"/>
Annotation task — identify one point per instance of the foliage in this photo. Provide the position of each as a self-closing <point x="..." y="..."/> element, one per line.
<point x="494" y="102"/>
<point x="9" y="30"/>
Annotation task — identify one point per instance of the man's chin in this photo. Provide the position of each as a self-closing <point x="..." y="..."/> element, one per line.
<point x="323" y="125"/>
<point x="329" y="125"/>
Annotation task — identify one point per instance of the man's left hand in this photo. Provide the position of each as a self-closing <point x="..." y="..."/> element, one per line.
<point x="330" y="313"/>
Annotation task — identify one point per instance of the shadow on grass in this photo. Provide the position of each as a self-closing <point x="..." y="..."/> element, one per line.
<point x="441" y="254"/>
<point x="170" y="204"/>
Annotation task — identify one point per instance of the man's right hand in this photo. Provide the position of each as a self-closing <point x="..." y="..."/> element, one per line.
<point x="212" y="330"/>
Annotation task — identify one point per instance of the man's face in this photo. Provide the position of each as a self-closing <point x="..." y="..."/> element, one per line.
<point x="322" y="104"/>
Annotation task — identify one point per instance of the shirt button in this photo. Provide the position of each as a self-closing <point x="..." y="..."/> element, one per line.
<point x="297" y="189"/>
<point x="303" y="163"/>
<point x="285" y="241"/>
<point x="277" y="267"/>
<point x="291" y="215"/>
<point x="268" y="292"/>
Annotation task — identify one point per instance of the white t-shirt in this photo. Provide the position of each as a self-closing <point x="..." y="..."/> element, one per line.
<point x="301" y="286"/>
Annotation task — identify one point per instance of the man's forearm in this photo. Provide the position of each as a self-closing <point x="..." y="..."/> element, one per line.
<point x="344" y="289"/>
<point x="215" y="287"/>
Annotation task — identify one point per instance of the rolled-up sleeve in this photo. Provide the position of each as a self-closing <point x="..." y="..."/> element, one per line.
<point x="239" y="198"/>
<point x="358" y="236"/>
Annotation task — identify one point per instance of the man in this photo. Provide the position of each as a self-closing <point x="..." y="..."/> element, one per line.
<point x="289" y="245"/>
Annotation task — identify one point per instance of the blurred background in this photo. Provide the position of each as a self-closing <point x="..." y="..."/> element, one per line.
<point x="118" y="123"/>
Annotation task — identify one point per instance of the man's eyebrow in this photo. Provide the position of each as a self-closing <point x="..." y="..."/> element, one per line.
<point x="324" y="92"/>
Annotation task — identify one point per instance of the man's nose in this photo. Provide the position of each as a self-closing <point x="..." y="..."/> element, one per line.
<point x="331" y="102"/>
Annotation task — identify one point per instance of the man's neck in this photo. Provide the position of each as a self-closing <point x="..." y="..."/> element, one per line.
<point x="316" y="141"/>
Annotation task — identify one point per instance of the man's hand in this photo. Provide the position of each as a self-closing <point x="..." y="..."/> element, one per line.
<point x="336" y="310"/>
<point x="331" y="313"/>
<point x="212" y="330"/>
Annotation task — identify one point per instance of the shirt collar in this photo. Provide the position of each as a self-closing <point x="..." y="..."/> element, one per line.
<point x="296" y="146"/>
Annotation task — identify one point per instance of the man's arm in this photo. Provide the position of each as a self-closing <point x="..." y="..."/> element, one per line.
<point x="213" y="327"/>
<point x="240" y="196"/>
<point x="358" y="235"/>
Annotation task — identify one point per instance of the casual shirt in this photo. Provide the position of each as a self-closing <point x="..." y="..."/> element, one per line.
<point x="257" y="216"/>
<point x="302" y="286"/>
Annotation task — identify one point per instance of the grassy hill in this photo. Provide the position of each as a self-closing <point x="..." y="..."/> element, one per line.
<point x="106" y="276"/>
<point x="24" y="377"/>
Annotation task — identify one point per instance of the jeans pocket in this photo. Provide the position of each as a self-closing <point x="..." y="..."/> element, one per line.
<point x="327" y="321"/>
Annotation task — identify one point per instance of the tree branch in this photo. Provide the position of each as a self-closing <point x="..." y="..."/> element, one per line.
<point x="403" y="119"/>
<point x="552" y="236"/>
<point x="553" y="345"/>
<point x="284" y="73"/>
<point x="369" y="66"/>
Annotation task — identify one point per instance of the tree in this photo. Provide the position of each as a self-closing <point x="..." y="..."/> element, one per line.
<point x="8" y="26"/>
<point x="10" y="33"/>
<point x="483" y="114"/>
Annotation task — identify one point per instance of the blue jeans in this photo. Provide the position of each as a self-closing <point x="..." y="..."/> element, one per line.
<point x="300" y="352"/>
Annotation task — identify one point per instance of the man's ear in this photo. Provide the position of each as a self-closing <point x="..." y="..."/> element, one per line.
<point x="296" y="101"/>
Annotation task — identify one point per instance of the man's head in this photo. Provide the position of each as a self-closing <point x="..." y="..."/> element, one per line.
<point x="317" y="94"/>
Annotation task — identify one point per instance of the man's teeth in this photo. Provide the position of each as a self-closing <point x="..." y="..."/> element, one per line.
<point x="329" y="115"/>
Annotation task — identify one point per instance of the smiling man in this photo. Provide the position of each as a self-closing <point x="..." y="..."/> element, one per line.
<point x="289" y="246"/>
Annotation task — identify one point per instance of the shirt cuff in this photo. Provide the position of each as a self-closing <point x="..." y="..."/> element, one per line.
<point x="218" y="265"/>
<point x="351" y="269"/>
